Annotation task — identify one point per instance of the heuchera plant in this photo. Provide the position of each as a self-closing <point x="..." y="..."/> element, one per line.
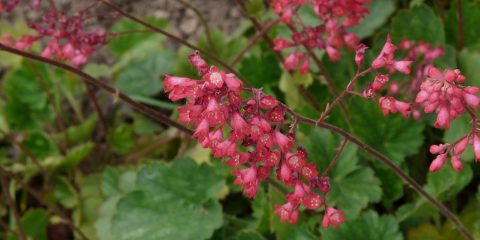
<point x="253" y="132"/>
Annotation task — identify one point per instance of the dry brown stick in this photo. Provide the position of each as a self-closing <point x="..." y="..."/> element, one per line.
<point x="12" y="206"/>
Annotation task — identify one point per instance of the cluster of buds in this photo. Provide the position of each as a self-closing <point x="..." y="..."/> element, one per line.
<point x="247" y="134"/>
<point x="385" y="60"/>
<point x="330" y="35"/>
<point x="420" y="57"/>
<point x="67" y="39"/>
<point x="431" y="90"/>
<point x="442" y="93"/>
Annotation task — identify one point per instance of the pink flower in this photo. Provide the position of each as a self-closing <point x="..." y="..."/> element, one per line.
<point x="333" y="217"/>
<point x="233" y="83"/>
<point x="456" y="163"/>
<point x="268" y="102"/>
<point x="282" y="141"/>
<point x="459" y="148"/>
<point x="390" y="104"/>
<point x="312" y="201"/>
<point x="287" y="212"/>
<point x="360" y="54"/>
<point x="402" y="66"/>
<point x="333" y="54"/>
<point x="280" y="44"/>
<point x="214" y="78"/>
<point x="198" y="63"/>
<point x="476" y="147"/>
<point x="438" y="162"/>
<point x="247" y="178"/>
<point x="292" y="61"/>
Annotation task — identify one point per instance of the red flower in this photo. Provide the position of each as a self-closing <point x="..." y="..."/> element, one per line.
<point x="332" y="217"/>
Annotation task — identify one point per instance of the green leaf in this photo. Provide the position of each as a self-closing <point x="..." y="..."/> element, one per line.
<point x="124" y="43"/>
<point x="35" y="223"/>
<point x="39" y="145"/>
<point x="418" y="23"/>
<point x="391" y="135"/>
<point x="255" y="7"/>
<point x="121" y="139"/>
<point x="469" y="61"/>
<point x="110" y="182"/>
<point x="368" y="226"/>
<point x="352" y="186"/>
<point x="27" y="106"/>
<point x="167" y="203"/>
<point x="380" y="11"/>
<point x="249" y="235"/>
<point x="202" y="183"/>
<point x="443" y="185"/>
<point x="78" y="133"/>
<point x="76" y="155"/>
<point x="65" y="193"/>
<point x="261" y="70"/>
<point x="142" y="75"/>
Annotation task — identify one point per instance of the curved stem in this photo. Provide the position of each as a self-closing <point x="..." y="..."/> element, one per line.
<point x="335" y="159"/>
<point x="407" y="179"/>
<point x="164" y="119"/>
<point x="12" y="206"/>
<point x="254" y="40"/>
<point x="91" y="80"/>
<point x="460" y="24"/>
<point x="203" y="21"/>
<point x="171" y="36"/>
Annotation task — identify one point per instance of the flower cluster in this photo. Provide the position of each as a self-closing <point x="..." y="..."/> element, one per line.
<point x="385" y="60"/>
<point x="442" y="93"/>
<point x="419" y="55"/>
<point x="67" y="39"/>
<point x="431" y="91"/>
<point x="247" y="134"/>
<point x="330" y="35"/>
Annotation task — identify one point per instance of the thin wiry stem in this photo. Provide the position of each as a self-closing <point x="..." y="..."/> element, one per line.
<point x="50" y="207"/>
<point x="303" y="91"/>
<point x="335" y="159"/>
<point x="25" y="151"/>
<point x="95" y="82"/>
<point x="171" y="36"/>
<point x="254" y="40"/>
<point x="460" y="25"/>
<point x="163" y="119"/>
<point x="203" y="21"/>
<point x="12" y="206"/>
